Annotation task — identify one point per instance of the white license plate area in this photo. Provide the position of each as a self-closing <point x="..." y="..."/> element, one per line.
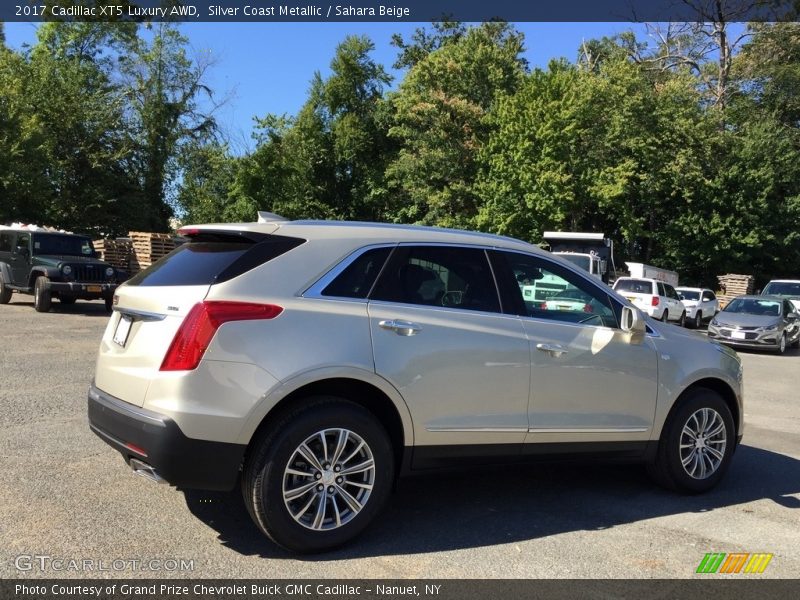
<point x="122" y="330"/>
<point x="738" y="335"/>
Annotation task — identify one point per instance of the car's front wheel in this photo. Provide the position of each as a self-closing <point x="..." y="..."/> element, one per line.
<point x="682" y="320"/>
<point x="42" y="297"/>
<point x="698" y="320"/>
<point x="781" y="346"/>
<point x="317" y="477"/>
<point x="5" y="293"/>
<point x="696" y="444"/>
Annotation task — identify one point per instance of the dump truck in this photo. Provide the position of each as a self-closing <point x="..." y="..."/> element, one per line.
<point x="592" y="252"/>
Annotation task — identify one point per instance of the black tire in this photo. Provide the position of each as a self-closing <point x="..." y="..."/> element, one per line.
<point x="796" y="343"/>
<point x="5" y="293"/>
<point x="698" y="320"/>
<point x="780" y="347"/>
<point x="682" y="320"/>
<point x="665" y="316"/>
<point x="66" y="301"/>
<point x="667" y="469"/>
<point x="275" y="448"/>
<point x="42" y="298"/>
<point x="109" y="302"/>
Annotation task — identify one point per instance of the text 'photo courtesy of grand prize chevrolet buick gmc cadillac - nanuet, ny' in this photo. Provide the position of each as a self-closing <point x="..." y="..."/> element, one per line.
<point x="312" y="363"/>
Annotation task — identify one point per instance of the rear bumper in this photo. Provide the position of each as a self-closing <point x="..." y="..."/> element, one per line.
<point x="157" y="441"/>
<point x="84" y="290"/>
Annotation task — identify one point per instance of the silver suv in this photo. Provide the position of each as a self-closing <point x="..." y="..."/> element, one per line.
<point x="313" y="362"/>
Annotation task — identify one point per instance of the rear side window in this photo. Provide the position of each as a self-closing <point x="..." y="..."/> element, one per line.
<point x="661" y="290"/>
<point x="634" y="286"/>
<point x="208" y="262"/>
<point x="358" y="278"/>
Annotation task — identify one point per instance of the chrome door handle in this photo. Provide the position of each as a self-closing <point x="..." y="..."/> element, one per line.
<point x="553" y="349"/>
<point x="404" y="328"/>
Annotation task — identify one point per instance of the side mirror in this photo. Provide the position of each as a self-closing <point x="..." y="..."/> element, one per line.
<point x="680" y="297"/>
<point x="633" y="324"/>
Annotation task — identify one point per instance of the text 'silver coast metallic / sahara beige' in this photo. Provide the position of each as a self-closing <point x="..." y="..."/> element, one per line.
<point x="312" y="363"/>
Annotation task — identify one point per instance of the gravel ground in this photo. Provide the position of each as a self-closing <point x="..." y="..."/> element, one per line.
<point x="66" y="495"/>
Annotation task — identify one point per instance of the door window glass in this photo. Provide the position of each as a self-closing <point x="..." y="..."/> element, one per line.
<point x="539" y="288"/>
<point x="445" y="276"/>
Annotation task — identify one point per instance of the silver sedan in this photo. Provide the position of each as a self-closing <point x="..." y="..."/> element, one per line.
<point x="766" y="322"/>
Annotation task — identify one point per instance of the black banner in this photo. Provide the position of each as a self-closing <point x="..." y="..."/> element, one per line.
<point x="740" y="588"/>
<point x="399" y="10"/>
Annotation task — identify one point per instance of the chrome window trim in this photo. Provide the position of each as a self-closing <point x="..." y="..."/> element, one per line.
<point x="316" y="289"/>
<point x="140" y="315"/>
<point x="588" y="430"/>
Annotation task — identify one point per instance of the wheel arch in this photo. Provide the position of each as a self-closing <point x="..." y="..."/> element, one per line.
<point x="41" y="272"/>
<point x="371" y="395"/>
<point x="717" y="385"/>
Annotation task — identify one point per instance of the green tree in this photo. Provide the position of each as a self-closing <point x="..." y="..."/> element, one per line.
<point x="441" y="123"/>
<point x="329" y="160"/>
<point x="207" y="177"/>
<point x="163" y="86"/>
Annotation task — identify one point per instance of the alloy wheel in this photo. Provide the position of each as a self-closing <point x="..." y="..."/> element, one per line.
<point x="703" y="442"/>
<point x="328" y="479"/>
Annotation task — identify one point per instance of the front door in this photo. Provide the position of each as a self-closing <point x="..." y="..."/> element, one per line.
<point x="588" y="382"/>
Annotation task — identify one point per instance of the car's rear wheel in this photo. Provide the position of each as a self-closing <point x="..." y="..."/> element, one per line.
<point x="317" y="477"/>
<point x="696" y="444"/>
<point x="5" y="293"/>
<point x="665" y="316"/>
<point x="698" y="320"/>
<point x="42" y="297"/>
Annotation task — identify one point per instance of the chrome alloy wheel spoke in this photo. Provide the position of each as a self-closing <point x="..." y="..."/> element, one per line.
<point x="702" y="443"/>
<point x="321" y="489"/>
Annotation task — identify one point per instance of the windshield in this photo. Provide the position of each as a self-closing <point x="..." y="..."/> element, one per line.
<point x="62" y="245"/>
<point x="790" y="289"/>
<point x="578" y="260"/>
<point x="687" y="295"/>
<point x="754" y="306"/>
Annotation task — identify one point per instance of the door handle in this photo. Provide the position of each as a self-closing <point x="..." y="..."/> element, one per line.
<point x="405" y="328"/>
<point x="552" y="349"/>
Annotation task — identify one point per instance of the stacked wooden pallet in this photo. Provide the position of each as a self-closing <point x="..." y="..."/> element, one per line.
<point x="148" y="248"/>
<point x="117" y="253"/>
<point x="732" y="285"/>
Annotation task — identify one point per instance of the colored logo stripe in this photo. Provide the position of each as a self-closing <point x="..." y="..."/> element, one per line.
<point x="757" y="563"/>
<point x="736" y="562"/>
<point x="711" y="562"/>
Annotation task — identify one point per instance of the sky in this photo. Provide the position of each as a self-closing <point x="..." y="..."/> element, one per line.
<point x="263" y="68"/>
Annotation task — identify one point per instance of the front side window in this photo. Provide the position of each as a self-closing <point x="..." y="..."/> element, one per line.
<point x="535" y="287"/>
<point x="708" y="297"/>
<point x="444" y="276"/>
<point x="24" y="241"/>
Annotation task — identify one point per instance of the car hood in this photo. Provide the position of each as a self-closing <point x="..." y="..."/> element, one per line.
<point x="745" y="320"/>
<point x="54" y="260"/>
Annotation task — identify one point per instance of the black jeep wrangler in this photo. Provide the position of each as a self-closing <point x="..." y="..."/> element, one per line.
<point x="54" y="265"/>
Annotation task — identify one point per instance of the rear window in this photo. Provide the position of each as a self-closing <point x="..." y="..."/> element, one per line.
<point x="689" y="295"/>
<point x="209" y="262"/>
<point x="634" y="286"/>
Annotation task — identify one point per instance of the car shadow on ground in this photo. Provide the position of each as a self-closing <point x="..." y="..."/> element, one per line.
<point x="433" y="513"/>
<point x="87" y="309"/>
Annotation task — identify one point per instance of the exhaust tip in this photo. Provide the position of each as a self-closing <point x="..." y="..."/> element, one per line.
<point x="144" y="470"/>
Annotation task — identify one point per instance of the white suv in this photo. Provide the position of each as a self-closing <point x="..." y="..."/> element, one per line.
<point x="701" y="304"/>
<point x="313" y="362"/>
<point x="653" y="297"/>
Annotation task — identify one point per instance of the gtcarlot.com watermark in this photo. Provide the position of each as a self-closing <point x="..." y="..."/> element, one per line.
<point x="44" y="563"/>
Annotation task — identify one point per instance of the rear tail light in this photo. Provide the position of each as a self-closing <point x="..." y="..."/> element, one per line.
<point x="587" y="308"/>
<point x="198" y="328"/>
<point x="654" y="302"/>
<point x="543" y="306"/>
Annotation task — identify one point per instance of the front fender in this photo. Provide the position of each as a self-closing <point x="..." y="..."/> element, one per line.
<point x="5" y="273"/>
<point x="50" y="272"/>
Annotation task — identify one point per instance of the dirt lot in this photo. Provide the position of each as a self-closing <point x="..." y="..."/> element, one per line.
<point x="66" y="495"/>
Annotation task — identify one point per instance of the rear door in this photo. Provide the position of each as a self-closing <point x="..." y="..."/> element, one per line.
<point x="673" y="302"/>
<point x="462" y="366"/>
